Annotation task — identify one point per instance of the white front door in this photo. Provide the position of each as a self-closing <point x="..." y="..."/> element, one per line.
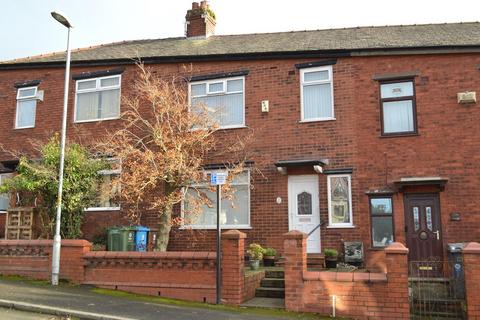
<point x="304" y="208"/>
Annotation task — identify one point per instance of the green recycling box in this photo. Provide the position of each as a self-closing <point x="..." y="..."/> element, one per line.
<point x="121" y="239"/>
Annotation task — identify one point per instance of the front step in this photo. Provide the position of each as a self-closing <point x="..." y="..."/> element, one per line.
<point x="275" y="274"/>
<point x="272" y="283"/>
<point x="273" y="303"/>
<point x="265" y="292"/>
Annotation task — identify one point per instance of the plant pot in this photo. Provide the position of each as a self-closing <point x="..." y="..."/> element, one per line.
<point x="331" y="263"/>
<point x="254" y="264"/>
<point x="268" y="261"/>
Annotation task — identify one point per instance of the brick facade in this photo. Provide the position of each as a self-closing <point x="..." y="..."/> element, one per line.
<point x="471" y="260"/>
<point x="447" y="143"/>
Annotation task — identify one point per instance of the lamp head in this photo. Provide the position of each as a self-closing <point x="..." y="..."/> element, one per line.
<point x="61" y="18"/>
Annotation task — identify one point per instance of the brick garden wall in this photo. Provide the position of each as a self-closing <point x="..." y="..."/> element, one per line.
<point x="471" y="261"/>
<point x="182" y="275"/>
<point x="358" y="295"/>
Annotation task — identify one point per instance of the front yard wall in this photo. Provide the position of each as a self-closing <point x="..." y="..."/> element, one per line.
<point x="447" y="143"/>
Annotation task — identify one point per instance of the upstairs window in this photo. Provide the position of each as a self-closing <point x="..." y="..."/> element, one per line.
<point x="26" y="107"/>
<point x="317" y="94"/>
<point x="223" y="98"/>
<point x="97" y="99"/>
<point x="398" y="108"/>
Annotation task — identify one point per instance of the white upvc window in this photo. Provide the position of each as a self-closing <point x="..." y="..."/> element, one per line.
<point x="316" y="94"/>
<point x="223" y="98"/>
<point x="4" y="197"/>
<point x="234" y="213"/>
<point x="26" y="107"/>
<point x="97" y="99"/>
<point x="108" y="190"/>
<point x="340" y="201"/>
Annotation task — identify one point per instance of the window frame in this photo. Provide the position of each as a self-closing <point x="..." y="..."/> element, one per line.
<point x="223" y="92"/>
<point x="98" y="88"/>
<point x="389" y="196"/>
<point x="107" y="172"/>
<point x="329" y="202"/>
<point x="302" y="84"/>
<point x="226" y="227"/>
<point x="27" y="98"/>
<point x="394" y="99"/>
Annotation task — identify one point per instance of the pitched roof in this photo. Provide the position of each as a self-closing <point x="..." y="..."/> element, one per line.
<point x="329" y="40"/>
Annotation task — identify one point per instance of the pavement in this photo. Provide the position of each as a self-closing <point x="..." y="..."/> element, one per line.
<point x="12" y="314"/>
<point x="81" y="302"/>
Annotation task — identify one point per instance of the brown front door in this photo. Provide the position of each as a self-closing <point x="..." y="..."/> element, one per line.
<point x="423" y="231"/>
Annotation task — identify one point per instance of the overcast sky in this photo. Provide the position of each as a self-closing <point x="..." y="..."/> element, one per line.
<point x="26" y="27"/>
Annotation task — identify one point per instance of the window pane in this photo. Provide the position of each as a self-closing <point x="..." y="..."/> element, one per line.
<point x="22" y="93"/>
<point x="395" y="90"/>
<point x="233" y="212"/>
<point x="215" y="87"/>
<point x="227" y="110"/>
<point x="110" y="82"/>
<point x="26" y="113"/>
<point x="317" y="101"/>
<point x="234" y="85"/>
<point x="316" y="76"/>
<point x="382" y="231"/>
<point x="304" y="203"/>
<point x="110" y="104"/>
<point x="428" y="212"/>
<point x="199" y="89"/>
<point x="87" y="106"/>
<point x="381" y="205"/>
<point x="339" y="197"/>
<point x="398" y="116"/>
<point x="416" y="219"/>
<point x="108" y="192"/>
<point x="91" y="84"/>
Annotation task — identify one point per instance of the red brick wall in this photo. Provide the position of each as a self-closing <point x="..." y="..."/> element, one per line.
<point x="251" y="283"/>
<point x="447" y="144"/>
<point x="471" y="261"/>
<point x="357" y="295"/>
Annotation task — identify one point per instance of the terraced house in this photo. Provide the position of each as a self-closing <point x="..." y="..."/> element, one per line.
<point x="366" y="134"/>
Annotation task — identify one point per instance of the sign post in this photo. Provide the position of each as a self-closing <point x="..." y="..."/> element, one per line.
<point x="218" y="179"/>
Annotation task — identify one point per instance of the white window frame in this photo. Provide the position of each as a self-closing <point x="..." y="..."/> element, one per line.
<point x="304" y="83"/>
<point x="107" y="172"/>
<point x="350" y="207"/>
<point x="98" y="88"/>
<point x="27" y="98"/>
<point x="223" y="92"/>
<point x="2" y="177"/>
<point x="226" y="226"/>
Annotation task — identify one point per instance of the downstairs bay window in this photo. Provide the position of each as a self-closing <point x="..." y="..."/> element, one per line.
<point x="108" y="190"/>
<point x="234" y="212"/>
<point x="4" y="197"/>
<point x="381" y="213"/>
<point x="339" y="201"/>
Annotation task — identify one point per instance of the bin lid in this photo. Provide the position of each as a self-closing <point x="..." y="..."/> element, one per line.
<point x="455" y="247"/>
<point x="140" y="228"/>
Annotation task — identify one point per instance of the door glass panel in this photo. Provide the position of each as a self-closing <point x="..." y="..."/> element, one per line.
<point x="416" y="218"/>
<point x="304" y="202"/>
<point x="428" y="211"/>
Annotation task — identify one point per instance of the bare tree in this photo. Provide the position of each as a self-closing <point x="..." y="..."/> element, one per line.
<point x="163" y="145"/>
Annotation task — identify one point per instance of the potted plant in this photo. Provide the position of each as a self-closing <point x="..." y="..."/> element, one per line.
<point x="331" y="258"/>
<point x="255" y="253"/>
<point x="269" y="257"/>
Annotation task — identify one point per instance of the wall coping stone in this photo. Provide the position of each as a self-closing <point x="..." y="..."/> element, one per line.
<point x="396" y="247"/>
<point x="45" y="243"/>
<point x="344" y="276"/>
<point x="472" y="248"/>
<point x="233" y="234"/>
<point x="295" y="234"/>
<point x="199" y="255"/>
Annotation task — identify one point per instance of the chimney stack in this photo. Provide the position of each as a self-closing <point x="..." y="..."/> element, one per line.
<point x="200" y="21"/>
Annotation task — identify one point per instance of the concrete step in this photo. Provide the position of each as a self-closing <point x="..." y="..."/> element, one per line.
<point x="270" y="292"/>
<point x="272" y="303"/>
<point x="273" y="283"/>
<point x="277" y="274"/>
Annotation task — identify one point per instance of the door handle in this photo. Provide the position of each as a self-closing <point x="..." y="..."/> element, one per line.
<point x="438" y="234"/>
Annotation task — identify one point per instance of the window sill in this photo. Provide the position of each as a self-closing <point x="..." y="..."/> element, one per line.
<point x="96" y="120"/>
<point x="340" y="227"/>
<point x="215" y="228"/>
<point x="95" y="209"/>
<point x="233" y="127"/>
<point x="21" y="128"/>
<point x="317" y="120"/>
<point x="399" y="135"/>
<point x="2" y="211"/>
<point x="376" y="248"/>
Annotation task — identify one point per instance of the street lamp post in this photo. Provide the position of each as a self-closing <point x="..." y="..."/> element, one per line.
<point x="57" y="239"/>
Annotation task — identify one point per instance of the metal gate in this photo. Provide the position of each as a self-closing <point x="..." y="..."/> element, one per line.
<point x="437" y="289"/>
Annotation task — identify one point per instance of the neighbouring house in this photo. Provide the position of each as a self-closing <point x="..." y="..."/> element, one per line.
<point x="370" y="132"/>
